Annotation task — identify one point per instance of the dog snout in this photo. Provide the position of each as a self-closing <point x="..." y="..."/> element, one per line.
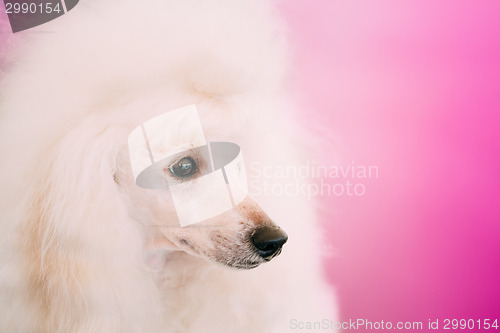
<point x="268" y="241"/>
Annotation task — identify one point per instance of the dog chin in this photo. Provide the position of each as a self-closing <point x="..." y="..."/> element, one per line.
<point x="243" y="265"/>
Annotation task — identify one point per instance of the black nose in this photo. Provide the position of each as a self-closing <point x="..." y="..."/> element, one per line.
<point x="268" y="241"/>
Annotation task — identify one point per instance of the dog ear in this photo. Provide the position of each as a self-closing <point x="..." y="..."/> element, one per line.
<point x="78" y="182"/>
<point x="81" y="240"/>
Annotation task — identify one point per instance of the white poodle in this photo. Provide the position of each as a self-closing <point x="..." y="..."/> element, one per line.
<point x="82" y="247"/>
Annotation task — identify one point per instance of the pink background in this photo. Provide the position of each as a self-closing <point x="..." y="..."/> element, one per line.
<point x="414" y="88"/>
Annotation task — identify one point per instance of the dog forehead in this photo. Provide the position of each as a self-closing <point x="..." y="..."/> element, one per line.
<point x="165" y="135"/>
<point x="174" y="131"/>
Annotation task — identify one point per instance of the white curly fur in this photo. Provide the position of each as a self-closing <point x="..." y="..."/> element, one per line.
<point x="74" y="228"/>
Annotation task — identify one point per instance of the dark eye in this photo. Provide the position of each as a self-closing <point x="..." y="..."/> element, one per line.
<point x="185" y="167"/>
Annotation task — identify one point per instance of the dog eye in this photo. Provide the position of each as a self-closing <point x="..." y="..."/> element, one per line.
<point x="183" y="168"/>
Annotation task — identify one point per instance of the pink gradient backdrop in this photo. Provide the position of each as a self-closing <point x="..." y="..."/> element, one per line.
<point x="413" y="87"/>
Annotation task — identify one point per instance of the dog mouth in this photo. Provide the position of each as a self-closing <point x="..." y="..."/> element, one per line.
<point x="261" y="246"/>
<point x="250" y="264"/>
<point x="251" y="261"/>
<point x="245" y="265"/>
<point x="249" y="250"/>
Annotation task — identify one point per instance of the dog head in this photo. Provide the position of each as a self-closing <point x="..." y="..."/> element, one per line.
<point x="188" y="205"/>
